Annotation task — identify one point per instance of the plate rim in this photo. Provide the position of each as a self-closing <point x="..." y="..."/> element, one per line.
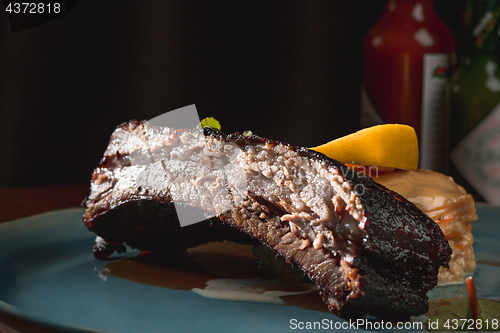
<point x="16" y="318"/>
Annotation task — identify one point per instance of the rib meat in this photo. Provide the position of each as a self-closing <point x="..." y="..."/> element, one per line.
<point x="368" y="249"/>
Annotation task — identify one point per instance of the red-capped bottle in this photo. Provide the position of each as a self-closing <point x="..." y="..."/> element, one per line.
<point x="408" y="54"/>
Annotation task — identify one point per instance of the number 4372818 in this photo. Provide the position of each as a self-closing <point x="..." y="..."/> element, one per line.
<point x="470" y="324"/>
<point x="33" y="8"/>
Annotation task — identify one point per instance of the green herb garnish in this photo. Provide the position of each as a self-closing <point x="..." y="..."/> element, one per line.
<point x="247" y="133"/>
<point x="210" y="122"/>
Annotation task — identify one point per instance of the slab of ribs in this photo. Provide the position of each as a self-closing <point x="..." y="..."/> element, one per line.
<point x="368" y="249"/>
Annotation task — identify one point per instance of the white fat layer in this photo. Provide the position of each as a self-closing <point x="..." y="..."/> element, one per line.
<point x="214" y="176"/>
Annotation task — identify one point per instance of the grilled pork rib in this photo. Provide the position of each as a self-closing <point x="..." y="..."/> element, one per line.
<point x="368" y="249"/>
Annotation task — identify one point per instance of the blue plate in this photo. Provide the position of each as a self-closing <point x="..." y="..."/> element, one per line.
<point x="50" y="279"/>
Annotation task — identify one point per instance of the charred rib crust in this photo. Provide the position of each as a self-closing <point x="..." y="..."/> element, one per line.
<point x="383" y="277"/>
<point x="379" y="255"/>
<point x="152" y="226"/>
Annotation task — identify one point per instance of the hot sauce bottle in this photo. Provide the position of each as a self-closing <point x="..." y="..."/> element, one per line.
<point x="408" y="55"/>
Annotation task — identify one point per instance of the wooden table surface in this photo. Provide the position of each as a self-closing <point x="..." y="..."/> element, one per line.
<point x="17" y="202"/>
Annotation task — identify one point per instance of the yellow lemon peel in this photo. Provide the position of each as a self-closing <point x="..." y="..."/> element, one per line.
<point x="391" y="146"/>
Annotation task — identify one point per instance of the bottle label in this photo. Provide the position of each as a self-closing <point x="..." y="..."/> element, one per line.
<point x="477" y="157"/>
<point x="435" y="107"/>
<point x="434" y="111"/>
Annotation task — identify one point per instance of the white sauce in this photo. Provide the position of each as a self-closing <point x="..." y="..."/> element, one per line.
<point x="249" y="290"/>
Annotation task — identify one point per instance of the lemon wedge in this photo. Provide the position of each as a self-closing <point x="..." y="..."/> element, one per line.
<point x="388" y="146"/>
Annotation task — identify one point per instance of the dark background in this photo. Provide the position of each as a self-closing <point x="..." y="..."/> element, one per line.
<point x="287" y="70"/>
